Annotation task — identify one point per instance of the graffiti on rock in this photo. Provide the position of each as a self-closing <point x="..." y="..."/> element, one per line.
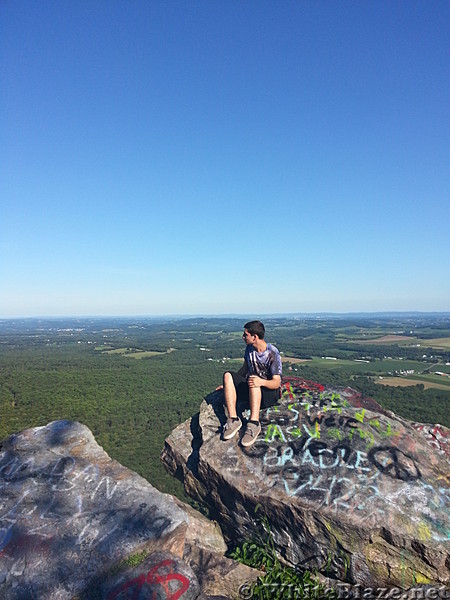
<point x="395" y="463"/>
<point x="319" y="447"/>
<point x="131" y="590"/>
<point x="61" y="493"/>
<point x="436" y="436"/>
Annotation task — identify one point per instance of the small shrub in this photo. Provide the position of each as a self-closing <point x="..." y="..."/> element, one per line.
<point x="280" y="582"/>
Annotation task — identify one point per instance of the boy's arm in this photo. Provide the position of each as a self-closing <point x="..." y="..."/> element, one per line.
<point x="271" y="384"/>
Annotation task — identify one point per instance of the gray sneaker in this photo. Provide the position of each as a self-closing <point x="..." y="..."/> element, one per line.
<point x="250" y="435"/>
<point x="231" y="428"/>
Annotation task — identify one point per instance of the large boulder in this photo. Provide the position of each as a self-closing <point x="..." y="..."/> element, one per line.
<point x="75" y="523"/>
<point x="349" y="489"/>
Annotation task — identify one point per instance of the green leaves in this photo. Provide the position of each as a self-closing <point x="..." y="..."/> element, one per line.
<point x="280" y="582"/>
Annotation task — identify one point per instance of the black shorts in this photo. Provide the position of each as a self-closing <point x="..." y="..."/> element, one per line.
<point x="268" y="397"/>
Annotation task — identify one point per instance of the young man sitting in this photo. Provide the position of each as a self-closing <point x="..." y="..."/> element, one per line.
<point x="259" y="379"/>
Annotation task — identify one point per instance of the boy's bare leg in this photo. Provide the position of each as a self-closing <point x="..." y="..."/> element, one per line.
<point x="255" y="402"/>
<point x="230" y="395"/>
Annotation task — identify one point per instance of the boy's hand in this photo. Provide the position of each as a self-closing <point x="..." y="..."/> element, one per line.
<point x="255" y="382"/>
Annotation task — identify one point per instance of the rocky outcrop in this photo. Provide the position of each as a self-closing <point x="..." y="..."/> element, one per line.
<point x="349" y="489"/>
<point x="76" y="524"/>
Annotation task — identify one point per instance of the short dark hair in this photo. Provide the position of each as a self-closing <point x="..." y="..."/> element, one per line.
<point x="255" y="328"/>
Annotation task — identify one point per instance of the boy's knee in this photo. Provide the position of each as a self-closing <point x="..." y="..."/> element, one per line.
<point x="227" y="379"/>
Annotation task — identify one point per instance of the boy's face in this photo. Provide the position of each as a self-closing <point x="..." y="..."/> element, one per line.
<point x="248" y="337"/>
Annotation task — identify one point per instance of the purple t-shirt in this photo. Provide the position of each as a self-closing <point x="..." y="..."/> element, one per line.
<point x="264" y="364"/>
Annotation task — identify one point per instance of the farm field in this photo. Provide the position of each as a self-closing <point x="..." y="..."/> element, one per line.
<point x="387" y="339"/>
<point x="441" y="380"/>
<point x="441" y="368"/>
<point x="408" y="382"/>
<point x="293" y="360"/>
<point x="376" y="365"/>
<point x="133" y="352"/>
<point x="436" y="343"/>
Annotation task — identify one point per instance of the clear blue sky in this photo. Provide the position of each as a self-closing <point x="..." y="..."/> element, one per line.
<point x="223" y="156"/>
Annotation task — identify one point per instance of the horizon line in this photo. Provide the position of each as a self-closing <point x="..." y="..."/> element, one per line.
<point x="231" y="315"/>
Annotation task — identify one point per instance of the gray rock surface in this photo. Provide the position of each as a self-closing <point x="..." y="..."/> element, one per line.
<point x="349" y="489"/>
<point x="217" y="574"/>
<point x="72" y="521"/>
